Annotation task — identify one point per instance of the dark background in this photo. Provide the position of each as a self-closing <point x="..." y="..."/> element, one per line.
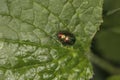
<point x="106" y="43"/>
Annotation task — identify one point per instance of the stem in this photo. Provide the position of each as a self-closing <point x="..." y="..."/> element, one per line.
<point x="113" y="11"/>
<point x="103" y="64"/>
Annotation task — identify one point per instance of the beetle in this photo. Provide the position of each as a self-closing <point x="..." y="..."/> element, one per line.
<point x="66" y="38"/>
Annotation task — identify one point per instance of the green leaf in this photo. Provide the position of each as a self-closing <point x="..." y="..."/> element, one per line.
<point x="29" y="49"/>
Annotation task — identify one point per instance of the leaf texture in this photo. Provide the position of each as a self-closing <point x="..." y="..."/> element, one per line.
<point x="29" y="49"/>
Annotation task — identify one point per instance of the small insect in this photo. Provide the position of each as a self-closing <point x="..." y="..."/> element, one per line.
<point x="66" y="38"/>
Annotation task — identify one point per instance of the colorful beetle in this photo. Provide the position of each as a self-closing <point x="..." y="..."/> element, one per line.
<point x="66" y="38"/>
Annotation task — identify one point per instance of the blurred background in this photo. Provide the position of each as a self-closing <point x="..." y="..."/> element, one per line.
<point x="106" y="43"/>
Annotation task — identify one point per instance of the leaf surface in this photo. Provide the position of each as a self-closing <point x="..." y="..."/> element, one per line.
<point x="29" y="49"/>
